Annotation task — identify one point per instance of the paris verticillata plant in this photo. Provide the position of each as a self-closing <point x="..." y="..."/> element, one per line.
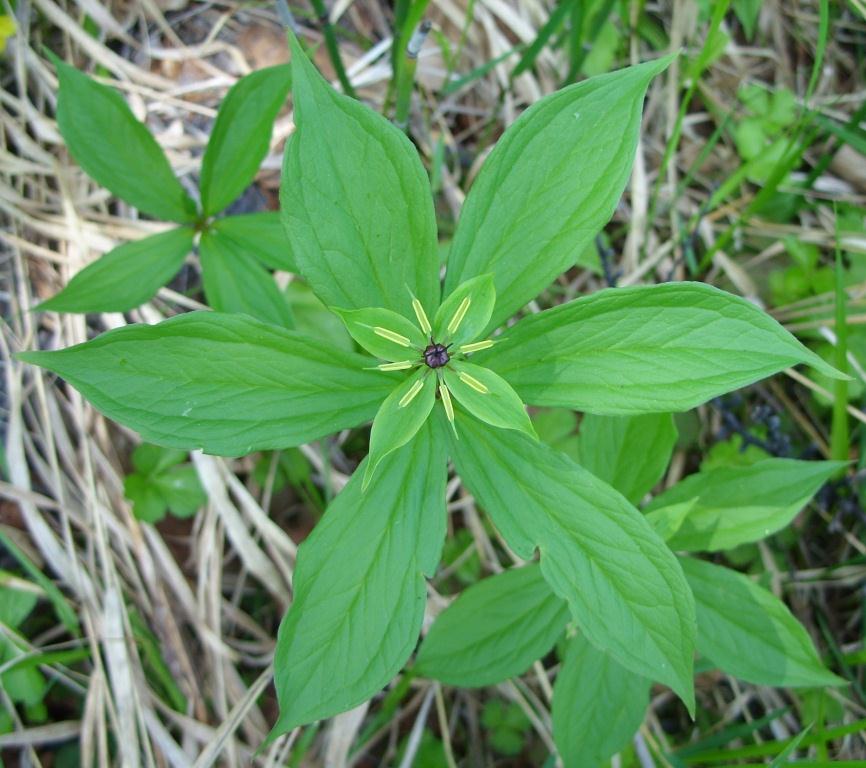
<point x="441" y="375"/>
<point x="119" y="152"/>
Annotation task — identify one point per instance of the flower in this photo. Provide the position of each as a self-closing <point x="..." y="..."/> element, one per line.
<point x="437" y="354"/>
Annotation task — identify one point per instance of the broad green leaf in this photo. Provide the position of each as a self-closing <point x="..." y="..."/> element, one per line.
<point x="126" y="276"/>
<point x="356" y="202"/>
<point x="359" y="586"/>
<point x="624" y="587"/>
<point x="263" y="237"/>
<point x="749" y="633"/>
<point x="646" y="349"/>
<point x="153" y="459"/>
<point x="241" y="135"/>
<point x="400" y="417"/>
<point x="384" y="334"/>
<point x="487" y="397"/>
<point x="465" y="313"/>
<point x="115" y="149"/>
<point x="227" y="384"/>
<point x="549" y="185"/>
<point x="631" y="453"/>
<point x="736" y="505"/>
<point x="597" y="705"/>
<point x="495" y="630"/>
<point x="235" y="282"/>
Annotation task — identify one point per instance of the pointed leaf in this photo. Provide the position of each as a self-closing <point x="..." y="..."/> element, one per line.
<point x="235" y="282"/>
<point x="631" y="453"/>
<point x="241" y="135"/>
<point x="736" y="505"/>
<point x="115" y="149"/>
<point x="487" y="397"/>
<point x="597" y="705"/>
<point x="646" y="349"/>
<point x="624" y="587"/>
<point x="465" y="313"/>
<point x="125" y="277"/>
<point x="376" y="330"/>
<point x="749" y="633"/>
<point x="263" y="237"/>
<point x="400" y="417"/>
<point x="494" y="630"/>
<point x="549" y="186"/>
<point x="359" y="586"/>
<point x="227" y="384"/>
<point x="356" y="202"/>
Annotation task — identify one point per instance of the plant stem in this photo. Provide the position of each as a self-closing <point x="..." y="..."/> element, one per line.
<point x="332" y="47"/>
<point x="407" y="75"/>
<point x="839" y="443"/>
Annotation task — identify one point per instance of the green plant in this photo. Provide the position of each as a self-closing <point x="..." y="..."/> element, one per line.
<point x="118" y="152"/>
<point x="358" y="213"/>
<point x="163" y="482"/>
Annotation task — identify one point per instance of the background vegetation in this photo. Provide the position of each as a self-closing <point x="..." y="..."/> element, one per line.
<point x="141" y="588"/>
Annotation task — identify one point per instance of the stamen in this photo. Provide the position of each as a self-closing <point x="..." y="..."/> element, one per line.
<point x="476" y="346"/>
<point x="422" y="317"/>
<point x="459" y="315"/>
<point x="471" y="381"/>
<point x="410" y="395"/>
<point x="446" y="401"/>
<point x="402" y="366"/>
<point x="391" y="336"/>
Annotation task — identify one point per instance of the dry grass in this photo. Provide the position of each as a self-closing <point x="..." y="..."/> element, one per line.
<point x="212" y="592"/>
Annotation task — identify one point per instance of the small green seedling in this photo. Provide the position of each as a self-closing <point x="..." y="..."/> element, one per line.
<point x="119" y="152"/>
<point x="163" y="482"/>
<point x="448" y="375"/>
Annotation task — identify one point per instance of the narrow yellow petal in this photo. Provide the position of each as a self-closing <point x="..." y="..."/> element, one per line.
<point x="422" y="317"/>
<point x="391" y="336"/>
<point x="459" y="315"/>
<point x="476" y="346"/>
<point x="471" y="381"/>
<point x="410" y="395"/>
<point x="402" y="366"/>
<point x="446" y="400"/>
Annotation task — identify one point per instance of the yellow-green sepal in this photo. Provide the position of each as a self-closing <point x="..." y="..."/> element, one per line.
<point x="384" y="333"/>
<point x="400" y="416"/>
<point x="487" y="396"/>
<point x="465" y="313"/>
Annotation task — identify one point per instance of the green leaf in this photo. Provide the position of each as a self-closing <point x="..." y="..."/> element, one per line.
<point x="631" y="453"/>
<point x="383" y="333"/>
<point x="549" y="185"/>
<point x="152" y="459"/>
<point x="597" y="705"/>
<point x="736" y="505"/>
<point x="495" y="630"/>
<point x="359" y="586"/>
<point x="115" y="149"/>
<point x="402" y="414"/>
<point x="465" y="313"/>
<point x="241" y="135"/>
<point x="666" y="521"/>
<point x="235" y="282"/>
<point x="182" y="491"/>
<point x="646" y="349"/>
<point x="263" y="237"/>
<point x="749" y="633"/>
<point x="227" y="384"/>
<point x="356" y="202"/>
<point x="126" y="276"/>
<point x="624" y="587"/>
<point x="148" y="504"/>
<point x="487" y="397"/>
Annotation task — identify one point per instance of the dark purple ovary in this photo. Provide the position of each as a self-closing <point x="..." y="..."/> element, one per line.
<point x="436" y="355"/>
